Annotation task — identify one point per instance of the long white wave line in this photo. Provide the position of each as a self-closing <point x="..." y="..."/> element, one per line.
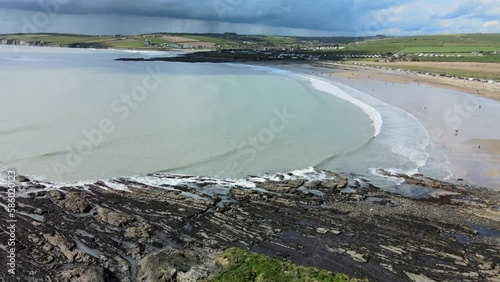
<point x="327" y="87"/>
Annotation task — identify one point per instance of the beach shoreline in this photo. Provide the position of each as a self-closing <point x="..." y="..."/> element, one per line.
<point x="442" y="108"/>
<point x="474" y="87"/>
<point x="463" y="125"/>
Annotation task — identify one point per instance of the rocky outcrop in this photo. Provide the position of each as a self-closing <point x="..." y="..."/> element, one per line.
<point x="340" y="223"/>
<point x="20" y="178"/>
<point x="138" y="232"/>
<point x="178" y="265"/>
<point x="86" y="273"/>
<point x="284" y="186"/>
<point x="65" y="247"/>
<point x="74" y="202"/>
<point x="56" y="195"/>
<point x="112" y="217"/>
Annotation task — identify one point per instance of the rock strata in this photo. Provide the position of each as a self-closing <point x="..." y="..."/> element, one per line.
<point x="341" y="223"/>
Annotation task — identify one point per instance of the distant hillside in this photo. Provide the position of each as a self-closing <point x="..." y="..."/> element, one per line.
<point x="167" y="41"/>
<point x="342" y="39"/>
<point x="457" y="47"/>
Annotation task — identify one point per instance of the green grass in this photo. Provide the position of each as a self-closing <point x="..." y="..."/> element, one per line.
<point x="279" y="40"/>
<point x="58" y="39"/>
<point x="154" y="40"/>
<point x="376" y="46"/>
<point x="132" y="42"/>
<point x="246" y="266"/>
<point x="215" y="40"/>
<point x="457" y="43"/>
<point x="122" y="44"/>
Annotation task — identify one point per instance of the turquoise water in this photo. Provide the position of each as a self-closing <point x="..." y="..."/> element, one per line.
<point x="72" y="115"/>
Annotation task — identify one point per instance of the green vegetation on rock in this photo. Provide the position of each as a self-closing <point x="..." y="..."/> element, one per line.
<point x="240" y="265"/>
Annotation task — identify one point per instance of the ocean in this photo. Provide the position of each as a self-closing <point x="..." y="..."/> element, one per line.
<point x="72" y="115"/>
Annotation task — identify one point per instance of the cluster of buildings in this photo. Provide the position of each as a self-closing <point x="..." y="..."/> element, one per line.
<point x="191" y="45"/>
<point x="148" y="43"/>
<point x="325" y="48"/>
<point x="438" y="55"/>
<point x="292" y="54"/>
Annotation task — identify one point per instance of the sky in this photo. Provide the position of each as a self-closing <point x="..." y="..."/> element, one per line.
<point x="281" y="17"/>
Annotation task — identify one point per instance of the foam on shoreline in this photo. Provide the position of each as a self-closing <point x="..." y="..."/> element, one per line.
<point x="398" y="134"/>
<point x="324" y="86"/>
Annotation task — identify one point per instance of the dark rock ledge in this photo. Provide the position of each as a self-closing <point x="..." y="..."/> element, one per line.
<point x="340" y="223"/>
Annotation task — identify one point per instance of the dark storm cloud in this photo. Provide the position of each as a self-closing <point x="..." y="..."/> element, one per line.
<point x="286" y="17"/>
<point x="345" y="15"/>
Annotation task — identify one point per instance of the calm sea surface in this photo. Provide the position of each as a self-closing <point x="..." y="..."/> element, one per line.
<point x="71" y="115"/>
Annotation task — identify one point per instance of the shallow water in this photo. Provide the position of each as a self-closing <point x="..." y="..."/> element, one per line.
<point x="442" y="111"/>
<point x="72" y="115"/>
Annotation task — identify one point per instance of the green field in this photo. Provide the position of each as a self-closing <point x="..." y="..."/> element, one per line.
<point x="458" y="43"/>
<point x="279" y="40"/>
<point x="443" y="48"/>
<point x="119" y="41"/>
<point x="215" y="40"/>
<point x="246" y="266"/>
<point x="58" y="39"/>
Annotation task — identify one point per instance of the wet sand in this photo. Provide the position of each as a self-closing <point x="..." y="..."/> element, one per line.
<point x="490" y="148"/>
<point x="482" y="89"/>
<point x="473" y="153"/>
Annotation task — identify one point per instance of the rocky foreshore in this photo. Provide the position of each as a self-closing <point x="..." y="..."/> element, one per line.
<point x="172" y="228"/>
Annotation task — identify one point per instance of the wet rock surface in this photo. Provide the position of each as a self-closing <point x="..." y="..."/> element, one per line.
<point x="152" y="230"/>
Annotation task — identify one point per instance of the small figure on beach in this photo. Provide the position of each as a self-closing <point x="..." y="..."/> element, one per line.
<point x="456" y="132"/>
<point x="479" y="106"/>
<point x="479" y="147"/>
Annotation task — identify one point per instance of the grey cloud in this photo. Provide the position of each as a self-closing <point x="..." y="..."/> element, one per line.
<point x="477" y="9"/>
<point x="342" y="15"/>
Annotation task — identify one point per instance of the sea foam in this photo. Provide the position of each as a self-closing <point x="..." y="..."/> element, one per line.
<point x="327" y="87"/>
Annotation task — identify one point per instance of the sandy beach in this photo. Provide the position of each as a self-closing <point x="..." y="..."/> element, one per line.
<point x="486" y="90"/>
<point x="464" y="126"/>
